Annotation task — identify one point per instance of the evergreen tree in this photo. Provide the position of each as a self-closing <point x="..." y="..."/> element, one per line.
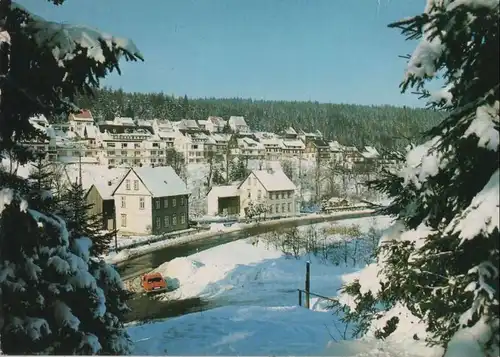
<point x="41" y="184"/>
<point x="441" y="259"/>
<point x="217" y="178"/>
<point x="56" y="298"/>
<point x="238" y="170"/>
<point x="75" y="210"/>
<point x="129" y="111"/>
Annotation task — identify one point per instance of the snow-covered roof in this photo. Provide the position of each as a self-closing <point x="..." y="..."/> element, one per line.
<point x="370" y="152"/>
<point x="250" y="143"/>
<point x="224" y="191"/>
<point x="290" y="131"/>
<point x="91" y="132"/>
<point x="123" y="121"/>
<point x="293" y="143"/>
<point x="274" y="180"/>
<point x="220" y="137"/>
<point x="335" y="146"/>
<point x="161" y="181"/>
<point x="237" y="120"/>
<point x="106" y="189"/>
<point x="188" y="124"/>
<point x="216" y="120"/>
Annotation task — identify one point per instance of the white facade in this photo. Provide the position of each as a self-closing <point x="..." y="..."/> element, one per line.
<point x="217" y="192"/>
<point x="273" y="189"/>
<point x="133" y="206"/>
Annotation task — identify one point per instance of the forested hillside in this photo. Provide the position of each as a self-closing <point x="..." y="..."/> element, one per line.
<point x="381" y="126"/>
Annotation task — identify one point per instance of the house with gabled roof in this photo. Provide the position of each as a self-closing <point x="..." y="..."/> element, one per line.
<point x="151" y="200"/>
<point x="238" y="124"/>
<point x="271" y="188"/>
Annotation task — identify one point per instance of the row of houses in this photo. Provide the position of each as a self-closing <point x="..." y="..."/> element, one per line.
<point x="129" y="142"/>
<point x="155" y="200"/>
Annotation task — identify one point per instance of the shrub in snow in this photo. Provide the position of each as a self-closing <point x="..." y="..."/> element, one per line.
<point x="439" y="263"/>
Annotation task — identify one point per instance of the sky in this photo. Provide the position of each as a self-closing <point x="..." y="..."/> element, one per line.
<point x="337" y="51"/>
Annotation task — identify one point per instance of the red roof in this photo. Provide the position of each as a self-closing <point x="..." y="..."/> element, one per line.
<point x="84" y="114"/>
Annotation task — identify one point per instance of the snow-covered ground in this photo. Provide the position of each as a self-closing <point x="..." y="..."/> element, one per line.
<point x="258" y="284"/>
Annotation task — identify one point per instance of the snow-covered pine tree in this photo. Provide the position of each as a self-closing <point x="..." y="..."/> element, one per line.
<point x="41" y="184"/>
<point x="80" y="222"/>
<point x="53" y="299"/>
<point x="439" y="263"/>
<point x="56" y="299"/>
<point x="238" y="170"/>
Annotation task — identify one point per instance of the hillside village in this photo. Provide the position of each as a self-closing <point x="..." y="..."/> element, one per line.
<point x="147" y="196"/>
<point x="128" y="142"/>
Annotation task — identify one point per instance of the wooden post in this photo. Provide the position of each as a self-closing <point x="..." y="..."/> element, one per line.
<point x="308" y="282"/>
<point x="300" y="297"/>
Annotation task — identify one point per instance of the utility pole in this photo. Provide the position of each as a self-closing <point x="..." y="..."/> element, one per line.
<point x="80" y="166"/>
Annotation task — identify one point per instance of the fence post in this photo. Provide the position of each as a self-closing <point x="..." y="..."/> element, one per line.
<point x="300" y="297"/>
<point x="308" y="283"/>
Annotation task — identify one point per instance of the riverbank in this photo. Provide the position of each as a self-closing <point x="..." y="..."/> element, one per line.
<point x="136" y="261"/>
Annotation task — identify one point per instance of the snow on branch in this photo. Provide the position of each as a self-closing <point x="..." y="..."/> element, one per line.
<point x="423" y="161"/>
<point x="485" y="126"/>
<point x="482" y="215"/>
<point x="66" y="40"/>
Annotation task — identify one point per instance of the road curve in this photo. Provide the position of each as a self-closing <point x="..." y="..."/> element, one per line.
<point x="139" y="264"/>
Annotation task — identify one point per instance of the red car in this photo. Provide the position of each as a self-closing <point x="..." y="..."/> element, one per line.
<point x="153" y="283"/>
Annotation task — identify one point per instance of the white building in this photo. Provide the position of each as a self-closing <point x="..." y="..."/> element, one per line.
<point x="272" y="188"/>
<point x="78" y="122"/>
<point x="151" y="201"/>
<point x="215" y="124"/>
<point x="250" y="149"/>
<point x="223" y="201"/>
<point x="238" y="124"/>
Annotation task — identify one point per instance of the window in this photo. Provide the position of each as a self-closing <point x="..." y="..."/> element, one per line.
<point x="174" y="202"/>
<point x="277" y="208"/>
<point x="127" y="185"/>
<point x="166" y="221"/>
<point x="283" y="207"/>
<point x="174" y="220"/>
<point x="183" y="218"/>
<point x="250" y="181"/>
<point x="249" y="194"/>
<point x="165" y="203"/>
<point x="123" y="220"/>
<point x="157" y="204"/>
<point x="136" y="185"/>
<point x="158" y="222"/>
<point x="271" y="209"/>
<point x="282" y="195"/>
<point x="289" y="194"/>
<point x="270" y="195"/>
<point x="124" y="202"/>
<point x="289" y="207"/>
<point x="182" y="201"/>
<point x="141" y="203"/>
<point x="259" y="194"/>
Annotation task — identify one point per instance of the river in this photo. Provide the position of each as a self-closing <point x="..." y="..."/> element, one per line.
<point x="145" y="307"/>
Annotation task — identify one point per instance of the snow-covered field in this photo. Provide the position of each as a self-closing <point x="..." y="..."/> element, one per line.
<point x="258" y="284"/>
